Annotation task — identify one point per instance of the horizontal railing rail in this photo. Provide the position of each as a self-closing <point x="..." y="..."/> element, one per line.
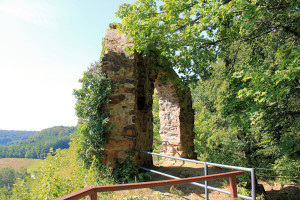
<point x="171" y="145"/>
<point x="205" y="186"/>
<point x="91" y="192"/>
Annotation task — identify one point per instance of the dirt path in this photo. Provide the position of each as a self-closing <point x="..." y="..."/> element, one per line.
<point x="274" y="191"/>
<point x="192" y="192"/>
<point x="177" y="192"/>
<point x="184" y="170"/>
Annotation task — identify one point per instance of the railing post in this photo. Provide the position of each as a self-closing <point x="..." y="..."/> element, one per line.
<point x="253" y="184"/>
<point x="205" y="182"/>
<point x="233" y="188"/>
<point x="92" y="195"/>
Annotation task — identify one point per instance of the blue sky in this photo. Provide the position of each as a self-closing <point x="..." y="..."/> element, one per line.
<point x="45" y="46"/>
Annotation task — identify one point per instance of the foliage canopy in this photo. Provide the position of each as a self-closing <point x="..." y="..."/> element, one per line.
<point x="194" y="33"/>
<point x="250" y="48"/>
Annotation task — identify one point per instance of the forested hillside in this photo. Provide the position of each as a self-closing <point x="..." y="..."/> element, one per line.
<point x="39" y="144"/>
<point x="8" y="137"/>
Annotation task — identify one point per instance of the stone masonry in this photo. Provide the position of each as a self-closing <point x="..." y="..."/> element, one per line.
<point x="176" y="119"/>
<point x="130" y="107"/>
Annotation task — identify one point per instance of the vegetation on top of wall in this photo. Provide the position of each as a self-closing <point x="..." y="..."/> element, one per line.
<point x="194" y="34"/>
<point x="247" y="113"/>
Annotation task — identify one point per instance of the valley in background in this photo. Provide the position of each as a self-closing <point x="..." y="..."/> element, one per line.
<point x="33" y="144"/>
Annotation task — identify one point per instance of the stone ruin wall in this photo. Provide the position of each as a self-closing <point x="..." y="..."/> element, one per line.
<point x="176" y="119"/>
<point x="130" y="107"/>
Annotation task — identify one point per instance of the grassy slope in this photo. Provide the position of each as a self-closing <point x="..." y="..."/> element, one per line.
<point x="17" y="163"/>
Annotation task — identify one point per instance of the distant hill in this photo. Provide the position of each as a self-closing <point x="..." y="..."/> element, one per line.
<point x="38" y="144"/>
<point x="8" y="137"/>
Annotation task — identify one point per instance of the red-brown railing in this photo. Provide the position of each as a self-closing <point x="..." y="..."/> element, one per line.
<point x="92" y="191"/>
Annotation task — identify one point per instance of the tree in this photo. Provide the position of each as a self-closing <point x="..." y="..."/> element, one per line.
<point x="7" y="177"/>
<point x="215" y="139"/>
<point x="194" y="33"/>
<point x="39" y="144"/>
<point x="257" y="40"/>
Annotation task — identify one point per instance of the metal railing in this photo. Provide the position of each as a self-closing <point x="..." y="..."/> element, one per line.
<point x="205" y="186"/>
<point x="91" y="192"/>
<point x="165" y="143"/>
<point x="296" y="177"/>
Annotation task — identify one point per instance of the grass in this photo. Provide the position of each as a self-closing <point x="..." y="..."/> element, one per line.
<point x="17" y="163"/>
<point x="136" y="194"/>
<point x="34" y="166"/>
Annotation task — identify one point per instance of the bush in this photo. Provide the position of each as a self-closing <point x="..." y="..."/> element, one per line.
<point x="61" y="173"/>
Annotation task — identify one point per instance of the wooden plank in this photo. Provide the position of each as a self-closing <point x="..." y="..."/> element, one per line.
<point x="93" y="195"/>
<point x="78" y="194"/>
<point x="165" y="182"/>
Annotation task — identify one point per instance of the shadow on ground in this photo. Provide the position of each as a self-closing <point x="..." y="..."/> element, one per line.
<point x="185" y="170"/>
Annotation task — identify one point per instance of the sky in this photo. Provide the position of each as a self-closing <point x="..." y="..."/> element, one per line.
<point x="45" y="46"/>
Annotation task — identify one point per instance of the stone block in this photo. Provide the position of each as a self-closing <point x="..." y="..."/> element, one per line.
<point x="121" y="154"/>
<point x="129" y="90"/>
<point x="129" y="130"/>
<point x="110" y="156"/>
<point x="122" y="144"/>
<point x="115" y="99"/>
<point x="110" y="67"/>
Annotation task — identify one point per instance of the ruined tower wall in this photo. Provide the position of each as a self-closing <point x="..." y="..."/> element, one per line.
<point x="119" y="66"/>
<point x="130" y="107"/>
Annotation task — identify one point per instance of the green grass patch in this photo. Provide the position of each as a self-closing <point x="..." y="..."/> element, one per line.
<point x="34" y="166"/>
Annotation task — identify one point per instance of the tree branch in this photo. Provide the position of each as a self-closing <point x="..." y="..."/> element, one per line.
<point x="279" y="6"/>
<point x="256" y="36"/>
<point x="189" y="23"/>
<point x="290" y="30"/>
<point x="212" y="43"/>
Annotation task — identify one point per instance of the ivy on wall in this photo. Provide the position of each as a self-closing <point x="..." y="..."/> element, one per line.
<point x="93" y="120"/>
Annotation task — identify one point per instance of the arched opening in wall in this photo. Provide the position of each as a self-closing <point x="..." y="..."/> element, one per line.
<point x="156" y="124"/>
<point x="176" y="117"/>
<point x="130" y="107"/>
